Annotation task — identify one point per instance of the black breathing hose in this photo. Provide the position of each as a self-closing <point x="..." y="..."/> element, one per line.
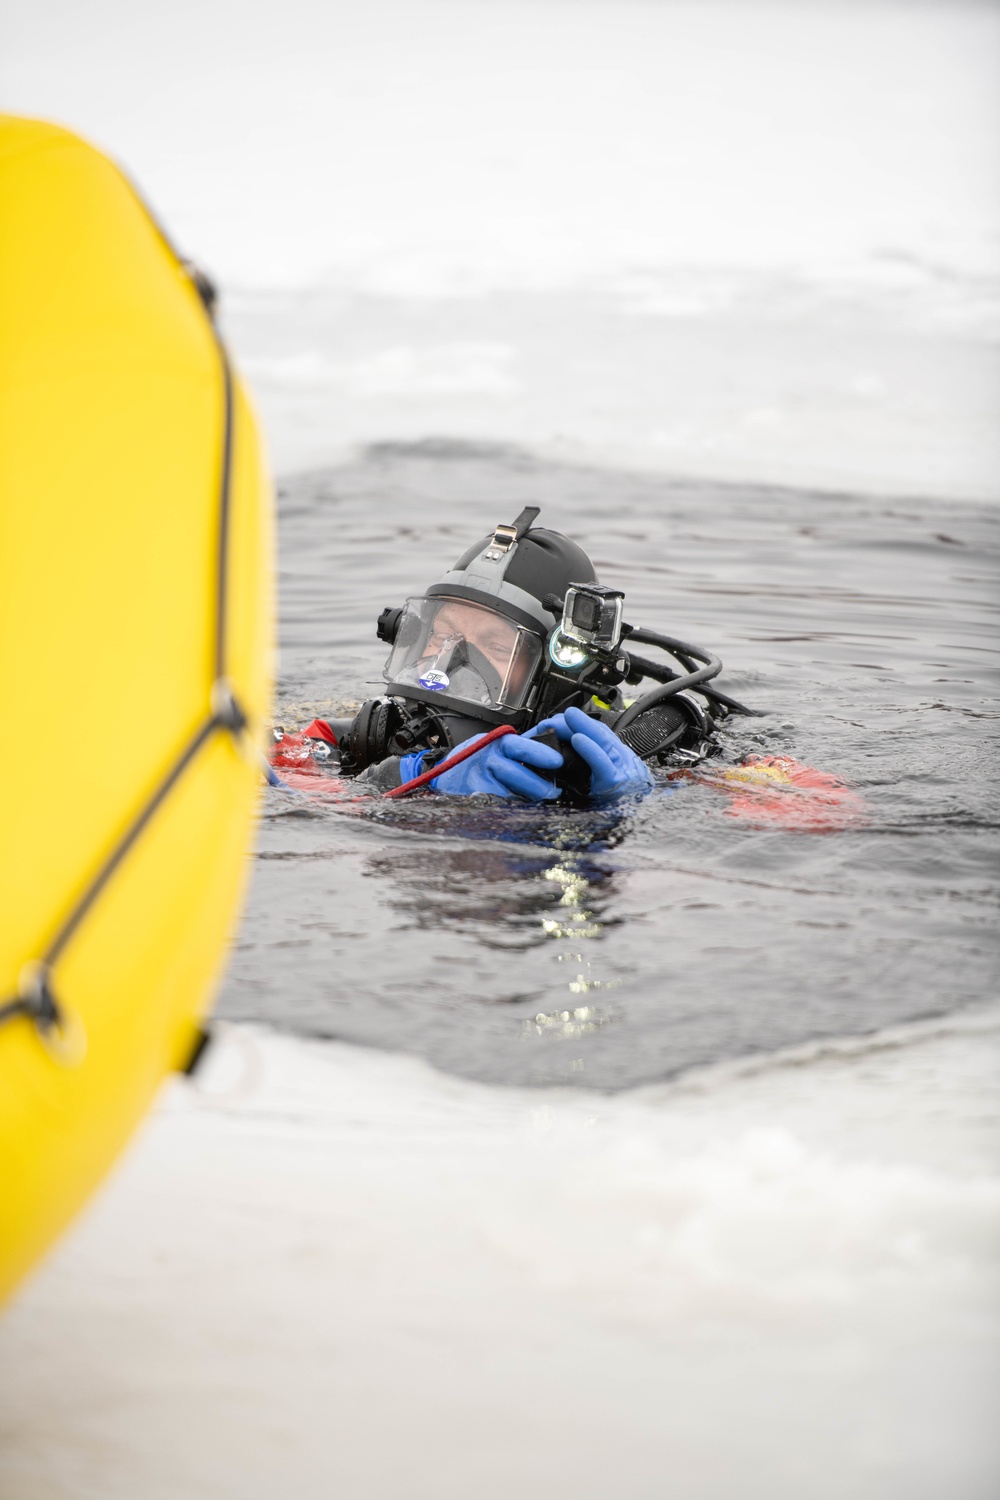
<point x="643" y="667"/>
<point x="691" y="679"/>
<point x="672" y="682"/>
<point x="680" y="649"/>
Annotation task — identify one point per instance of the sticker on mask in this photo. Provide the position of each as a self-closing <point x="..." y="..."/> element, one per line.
<point x="435" y="680"/>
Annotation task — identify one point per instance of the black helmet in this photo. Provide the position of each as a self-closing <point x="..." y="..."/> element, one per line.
<point x="517" y="569"/>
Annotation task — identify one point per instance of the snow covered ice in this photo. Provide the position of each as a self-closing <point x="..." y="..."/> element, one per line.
<point x="338" y="1272"/>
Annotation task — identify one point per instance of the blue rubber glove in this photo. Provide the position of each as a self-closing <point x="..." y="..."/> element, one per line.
<point x="502" y="770"/>
<point x="615" y="770"/>
<point x="411" y="766"/>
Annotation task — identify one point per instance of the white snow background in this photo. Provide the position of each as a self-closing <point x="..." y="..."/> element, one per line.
<point x="745" y="239"/>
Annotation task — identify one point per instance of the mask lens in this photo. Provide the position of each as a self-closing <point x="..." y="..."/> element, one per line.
<point x="465" y="652"/>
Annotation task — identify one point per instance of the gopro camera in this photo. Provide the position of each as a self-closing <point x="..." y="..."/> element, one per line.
<point x="591" y="625"/>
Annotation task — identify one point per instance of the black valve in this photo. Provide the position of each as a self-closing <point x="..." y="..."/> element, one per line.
<point x="387" y="628"/>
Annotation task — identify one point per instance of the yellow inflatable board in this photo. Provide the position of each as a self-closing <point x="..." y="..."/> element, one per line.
<point x="135" y="645"/>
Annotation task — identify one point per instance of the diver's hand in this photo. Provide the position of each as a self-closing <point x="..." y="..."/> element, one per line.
<point x="615" y="770"/>
<point x="411" y="766"/>
<point x="503" y="770"/>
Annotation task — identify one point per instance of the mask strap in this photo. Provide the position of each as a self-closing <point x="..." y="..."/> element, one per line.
<point x="507" y="537"/>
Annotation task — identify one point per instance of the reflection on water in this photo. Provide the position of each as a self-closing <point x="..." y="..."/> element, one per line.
<point x="579" y="918"/>
<point x="549" y="945"/>
<point x="511" y="899"/>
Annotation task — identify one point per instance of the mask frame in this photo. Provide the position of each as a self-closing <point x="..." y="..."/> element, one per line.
<point x="476" y="661"/>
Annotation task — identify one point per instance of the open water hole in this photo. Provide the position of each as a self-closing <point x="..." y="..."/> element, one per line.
<point x="519" y="946"/>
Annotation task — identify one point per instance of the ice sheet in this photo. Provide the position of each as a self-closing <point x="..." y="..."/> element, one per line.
<point x="340" y="1273"/>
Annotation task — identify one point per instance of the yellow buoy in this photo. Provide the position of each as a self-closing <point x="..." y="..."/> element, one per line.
<point x="135" y="644"/>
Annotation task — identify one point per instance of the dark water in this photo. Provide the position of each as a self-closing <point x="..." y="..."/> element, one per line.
<point x="513" y="945"/>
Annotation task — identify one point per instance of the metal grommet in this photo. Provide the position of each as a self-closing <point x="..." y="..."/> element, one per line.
<point x="60" y="1032"/>
<point x="226" y="706"/>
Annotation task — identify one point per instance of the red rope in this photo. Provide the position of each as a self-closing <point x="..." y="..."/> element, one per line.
<point x="455" y="759"/>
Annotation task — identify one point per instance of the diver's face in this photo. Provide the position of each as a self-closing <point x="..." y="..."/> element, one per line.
<point x="490" y="634"/>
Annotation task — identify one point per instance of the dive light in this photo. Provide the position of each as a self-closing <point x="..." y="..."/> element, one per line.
<point x="590" y="628"/>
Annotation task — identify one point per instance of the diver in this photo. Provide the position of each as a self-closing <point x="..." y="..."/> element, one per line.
<point x="520" y="640"/>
